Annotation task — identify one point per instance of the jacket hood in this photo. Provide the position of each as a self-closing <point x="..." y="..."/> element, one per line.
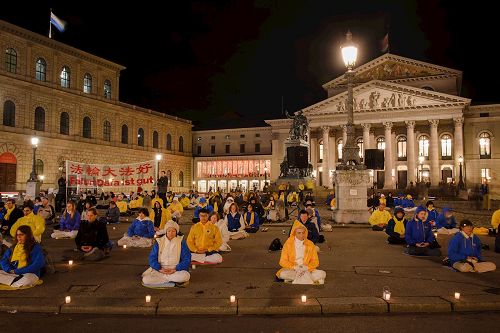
<point x="399" y="210"/>
<point x="446" y="210"/>
<point x="420" y="209"/>
<point x="297" y="224"/>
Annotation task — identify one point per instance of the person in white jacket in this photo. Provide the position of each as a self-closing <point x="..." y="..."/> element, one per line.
<point x="215" y="219"/>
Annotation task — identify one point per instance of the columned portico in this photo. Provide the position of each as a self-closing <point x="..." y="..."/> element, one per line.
<point x="434" y="152"/>
<point x="410" y="151"/>
<point x="389" y="179"/>
<point x="326" y="167"/>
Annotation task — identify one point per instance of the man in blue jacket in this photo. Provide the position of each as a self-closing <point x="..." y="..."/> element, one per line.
<point x="464" y="251"/>
<point x="446" y="223"/>
<point x="169" y="260"/>
<point x="419" y="235"/>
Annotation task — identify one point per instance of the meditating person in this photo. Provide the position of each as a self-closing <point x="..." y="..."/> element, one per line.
<point x="92" y="240"/>
<point x="495" y="220"/>
<point x="215" y="219"/>
<point x="251" y="220"/>
<point x="11" y="216"/>
<point x="112" y="214"/>
<point x="312" y="230"/>
<point x="235" y="223"/>
<point x="419" y="235"/>
<point x="272" y="212"/>
<point x="310" y="205"/>
<point x="169" y="259"/>
<point x="432" y="213"/>
<point x="204" y="240"/>
<point x="396" y="227"/>
<point x="23" y="262"/>
<point x="69" y="223"/>
<point x="446" y="222"/>
<point x="202" y="204"/>
<point x="175" y="209"/>
<point x="408" y="203"/>
<point x="227" y="205"/>
<point x="299" y="259"/>
<point x="464" y="251"/>
<point x="87" y="206"/>
<point x="35" y="222"/>
<point x="141" y="232"/>
<point x="159" y="215"/>
<point x="184" y="201"/>
<point x="379" y="218"/>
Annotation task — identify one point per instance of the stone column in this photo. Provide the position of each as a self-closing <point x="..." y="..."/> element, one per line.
<point x="458" y="144"/>
<point x="410" y="151"/>
<point x="326" y="137"/>
<point x="434" y="152"/>
<point x="344" y="135"/>
<point x="332" y="152"/>
<point x="314" y="156"/>
<point x="389" y="180"/>
<point x="366" y="137"/>
<point x="276" y="158"/>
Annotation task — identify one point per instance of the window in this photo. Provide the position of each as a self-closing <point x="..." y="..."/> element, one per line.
<point x="359" y="142"/>
<point x="64" y="123"/>
<point x="381" y="143"/>
<point x="181" y="179"/>
<point x="65" y="77"/>
<point x="485" y="175"/>
<point x="257" y="135"/>
<point x="107" y="89"/>
<point x="155" y="139"/>
<point x="199" y="150"/>
<point x="213" y="137"/>
<point x="87" y="128"/>
<point x="41" y="70"/>
<point x="125" y="134"/>
<point x="242" y="148"/>
<point x="181" y="144"/>
<point x="87" y="83"/>
<point x="228" y="149"/>
<point x="39" y="119"/>
<point x="11" y="60"/>
<point x="321" y="151"/>
<point x="169" y="142"/>
<point x="485" y="145"/>
<point x="106" y="131"/>
<point x="9" y="114"/>
<point x="212" y="149"/>
<point x="446" y="146"/>
<point x="39" y="167"/>
<point x="401" y="148"/>
<point x="340" y="145"/>
<point x="227" y="137"/>
<point x="242" y="136"/>
<point x="140" y="137"/>
<point x="423" y="146"/>
<point x="257" y="147"/>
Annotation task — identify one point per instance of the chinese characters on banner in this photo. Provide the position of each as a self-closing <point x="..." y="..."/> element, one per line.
<point x="105" y="175"/>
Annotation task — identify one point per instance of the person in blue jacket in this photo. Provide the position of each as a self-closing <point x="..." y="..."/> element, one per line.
<point x="464" y="251"/>
<point x="141" y="231"/>
<point x="202" y="204"/>
<point x="446" y="222"/>
<point x="23" y="262"/>
<point x="408" y="202"/>
<point x="169" y="259"/>
<point x="432" y="213"/>
<point x="251" y="219"/>
<point x="419" y="235"/>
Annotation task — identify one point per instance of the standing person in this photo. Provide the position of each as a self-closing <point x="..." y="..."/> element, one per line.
<point x="23" y="262"/>
<point x="35" y="222"/>
<point x="47" y="211"/>
<point x="419" y="235"/>
<point x="162" y="187"/>
<point x="464" y="251"/>
<point x="69" y="222"/>
<point x="204" y="240"/>
<point x="11" y="216"/>
<point x="396" y="227"/>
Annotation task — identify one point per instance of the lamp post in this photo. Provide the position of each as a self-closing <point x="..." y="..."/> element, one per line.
<point x="421" y="160"/>
<point x="34" y="144"/>
<point x="157" y="173"/>
<point x="461" y="184"/>
<point x="350" y="150"/>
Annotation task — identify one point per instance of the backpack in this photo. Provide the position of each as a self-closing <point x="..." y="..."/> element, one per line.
<point x="275" y="245"/>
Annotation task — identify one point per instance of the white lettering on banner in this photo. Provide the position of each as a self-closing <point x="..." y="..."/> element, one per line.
<point x="104" y="175"/>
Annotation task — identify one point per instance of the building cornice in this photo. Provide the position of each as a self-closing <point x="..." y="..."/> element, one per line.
<point x="232" y="130"/>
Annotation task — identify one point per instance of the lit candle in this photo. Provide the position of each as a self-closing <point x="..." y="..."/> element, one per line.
<point x="457" y="295"/>
<point x="193" y="266"/>
<point x="114" y="228"/>
<point x="304" y="298"/>
<point x="148" y="298"/>
<point x="232" y="298"/>
<point x="124" y="246"/>
<point x="387" y="295"/>
<point x="435" y="234"/>
<point x="68" y="299"/>
<point x="70" y="262"/>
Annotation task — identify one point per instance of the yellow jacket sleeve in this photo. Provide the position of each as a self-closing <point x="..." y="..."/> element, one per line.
<point x="191" y="239"/>
<point x="39" y="226"/>
<point x="314" y="262"/>
<point x="286" y="260"/>
<point x="495" y="219"/>
<point x="217" y="240"/>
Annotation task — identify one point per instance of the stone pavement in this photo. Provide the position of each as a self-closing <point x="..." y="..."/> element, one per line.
<point x="358" y="263"/>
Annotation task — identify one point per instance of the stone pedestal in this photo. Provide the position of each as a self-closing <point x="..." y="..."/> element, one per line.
<point x="32" y="189"/>
<point x="351" y="196"/>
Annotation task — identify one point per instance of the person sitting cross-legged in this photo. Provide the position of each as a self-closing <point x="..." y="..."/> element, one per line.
<point x="69" y="222"/>
<point x="140" y="233"/>
<point x="464" y="251"/>
<point x="446" y="223"/>
<point x="251" y="219"/>
<point x="35" y="222"/>
<point x="419" y="235"/>
<point x="23" y="262"/>
<point x="299" y="259"/>
<point x="396" y="227"/>
<point x="379" y="218"/>
<point x="215" y="219"/>
<point x="235" y="223"/>
<point x="204" y="240"/>
<point x="169" y="259"/>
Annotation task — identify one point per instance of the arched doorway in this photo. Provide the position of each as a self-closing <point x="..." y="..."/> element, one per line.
<point x="8" y="166"/>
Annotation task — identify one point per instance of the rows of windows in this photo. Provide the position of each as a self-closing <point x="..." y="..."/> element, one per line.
<point x="9" y="119"/>
<point x="65" y="74"/>
<point x="228" y="149"/>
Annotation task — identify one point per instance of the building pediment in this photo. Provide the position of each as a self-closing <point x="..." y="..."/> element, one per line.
<point x="378" y="95"/>
<point x="393" y="67"/>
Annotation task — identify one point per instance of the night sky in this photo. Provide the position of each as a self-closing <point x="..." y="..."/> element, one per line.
<point x="228" y="63"/>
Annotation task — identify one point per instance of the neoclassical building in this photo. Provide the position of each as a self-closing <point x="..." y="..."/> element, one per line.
<point x="68" y="98"/>
<point x="410" y="109"/>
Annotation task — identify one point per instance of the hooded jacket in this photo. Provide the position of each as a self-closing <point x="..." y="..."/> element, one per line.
<point x="432" y="215"/>
<point x="395" y="227"/>
<point x="203" y="204"/>
<point x="443" y="222"/>
<point x="184" y="254"/>
<point x="462" y="246"/>
<point x="204" y="236"/>
<point x="36" y="263"/>
<point x="418" y="231"/>
<point x="312" y="231"/>
<point x="68" y="223"/>
<point x="142" y="228"/>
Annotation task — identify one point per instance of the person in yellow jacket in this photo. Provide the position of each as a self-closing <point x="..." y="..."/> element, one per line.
<point x="176" y="209"/>
<point x="495" y="219"/>
<point x="136" y="203"/>
<point x="155" y="199"/>
<point x="379" y="218"/>
<point x="204" y="241"/>
<point x="35" y="222"/>
<point x="299" y="259"/>
<point x="184" y="201"/>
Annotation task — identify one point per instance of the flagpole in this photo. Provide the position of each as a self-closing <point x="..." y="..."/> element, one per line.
<point x="50" y="24"/>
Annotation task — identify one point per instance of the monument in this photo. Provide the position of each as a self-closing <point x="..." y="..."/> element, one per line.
<point x="351" y="178"/>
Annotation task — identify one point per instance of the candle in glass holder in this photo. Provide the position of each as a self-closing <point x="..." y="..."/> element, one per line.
<point x="304" y="298"/>
<point x="70" y="263"/>
<point x="124" y="246"/>
<point x="68" y="299"/>
<point x="193" y="266"/>
<point x="148" y="298"/>
<point x="232" y="298"/>
<point x="457" y="295"/>
<point x="386" y="293"/>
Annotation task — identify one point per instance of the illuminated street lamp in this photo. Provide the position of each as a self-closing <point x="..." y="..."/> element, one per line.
<point x="421" y="160"/>
<point x="461" y="184"/>
<point x="157" y="173"/>
<point x="34" y="144"/>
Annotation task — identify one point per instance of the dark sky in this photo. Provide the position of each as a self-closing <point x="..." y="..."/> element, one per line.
<point x="228" y="63"/>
